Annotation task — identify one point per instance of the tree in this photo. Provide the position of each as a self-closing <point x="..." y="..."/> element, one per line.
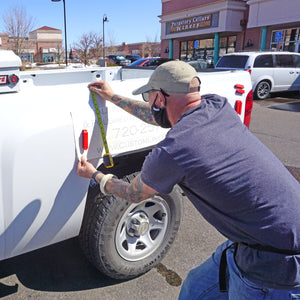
<point x="97" y="45"/>
<point x="89" y="46"/>
<point x="18" y="25"/>
<point x="71" y="56"/>
<point x="84" y="46"/>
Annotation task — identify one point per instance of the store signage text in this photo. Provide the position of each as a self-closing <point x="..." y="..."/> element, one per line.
<point x="190" y="23"/>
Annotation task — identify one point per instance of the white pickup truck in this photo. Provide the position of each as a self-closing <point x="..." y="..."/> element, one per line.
<point x="48" y="122"/>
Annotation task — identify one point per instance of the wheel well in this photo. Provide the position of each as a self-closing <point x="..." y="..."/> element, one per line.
<point x="127" y="163"/>
<point x="268" y="80"/>
<point x="124" y="164"/>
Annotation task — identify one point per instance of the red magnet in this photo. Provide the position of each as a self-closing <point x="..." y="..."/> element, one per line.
<point x="85" y="139"/>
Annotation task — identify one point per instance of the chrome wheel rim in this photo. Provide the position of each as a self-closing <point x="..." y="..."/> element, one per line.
<point x="142" y="228"/>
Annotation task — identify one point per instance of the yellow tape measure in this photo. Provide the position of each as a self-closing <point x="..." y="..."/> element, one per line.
<point x="107" y="158"/>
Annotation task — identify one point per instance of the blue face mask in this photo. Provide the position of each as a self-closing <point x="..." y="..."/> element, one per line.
<point x="160" y="115"/>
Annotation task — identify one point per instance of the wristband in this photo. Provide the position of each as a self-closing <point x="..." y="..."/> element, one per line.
<point x="103" y="181"/>
<point x="94" y="176"/>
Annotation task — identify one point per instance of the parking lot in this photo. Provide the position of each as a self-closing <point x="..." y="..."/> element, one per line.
<point x="61" y="271"/>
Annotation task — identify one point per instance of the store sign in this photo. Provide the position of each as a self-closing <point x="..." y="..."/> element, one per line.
<point x="278" y="36"/>
<point x="193" y="23"/>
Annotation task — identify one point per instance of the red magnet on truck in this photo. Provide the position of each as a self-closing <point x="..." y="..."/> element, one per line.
<point x="85" y="139"/>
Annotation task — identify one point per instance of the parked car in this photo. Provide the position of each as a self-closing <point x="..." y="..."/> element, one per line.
<point x="119" y="60"/>
<point x="270" y="71"/>
<point x="149" y="62"/>
<point x="199" y="64"/>
<point x="132" y="57"/>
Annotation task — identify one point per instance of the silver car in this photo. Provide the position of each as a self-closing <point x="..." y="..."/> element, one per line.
<point x="270" y="71"/>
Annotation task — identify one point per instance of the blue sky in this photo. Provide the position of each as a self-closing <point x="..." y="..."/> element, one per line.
<point x="129" y="21"/>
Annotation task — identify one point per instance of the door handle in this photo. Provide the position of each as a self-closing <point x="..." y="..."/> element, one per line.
<point x="292" y="72"/>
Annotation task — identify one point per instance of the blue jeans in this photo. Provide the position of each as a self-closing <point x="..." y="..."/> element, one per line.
<point x="203" y="282"/>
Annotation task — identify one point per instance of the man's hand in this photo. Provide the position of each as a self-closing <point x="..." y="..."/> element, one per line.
<point x="85" y="169"/>
<point x="102" y="88"/>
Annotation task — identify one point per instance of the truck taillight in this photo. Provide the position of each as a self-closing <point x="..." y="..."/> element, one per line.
<point x="248" y="108"/>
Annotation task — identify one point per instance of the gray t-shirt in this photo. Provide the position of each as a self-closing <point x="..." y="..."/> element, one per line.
<point x="237" y="184"/>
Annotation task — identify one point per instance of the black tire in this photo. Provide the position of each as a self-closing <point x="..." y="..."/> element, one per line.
<point x="262" y="90"/>
<point x="118" y="247"/>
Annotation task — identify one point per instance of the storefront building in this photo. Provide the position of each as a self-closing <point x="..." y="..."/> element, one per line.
<point x="203" y="29"/>
<point x="43" y="45"/>
<point x="48" y="44"/>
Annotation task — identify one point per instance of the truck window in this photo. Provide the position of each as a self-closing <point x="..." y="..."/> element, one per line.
<point x="263" y="61"/>
<point x="284" y="61"/>
<point x="233" y="61"/>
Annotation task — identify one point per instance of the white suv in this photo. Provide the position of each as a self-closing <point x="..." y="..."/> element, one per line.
<point x="270" y="71"/>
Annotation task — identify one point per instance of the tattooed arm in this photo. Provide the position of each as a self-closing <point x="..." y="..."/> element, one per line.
<point x="137" y="108"/>
<point x="135" y="191"/>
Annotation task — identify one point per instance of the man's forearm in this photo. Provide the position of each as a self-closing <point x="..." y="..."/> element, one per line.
<point x="133" y="192"/>
<point x="136" y="108"/>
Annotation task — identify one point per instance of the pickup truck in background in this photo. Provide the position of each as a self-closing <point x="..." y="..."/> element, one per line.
<point x="48" y="122"/>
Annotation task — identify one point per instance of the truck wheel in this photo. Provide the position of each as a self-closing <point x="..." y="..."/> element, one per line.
<point x="123" y="239"/>
<point x="262" y="90"/>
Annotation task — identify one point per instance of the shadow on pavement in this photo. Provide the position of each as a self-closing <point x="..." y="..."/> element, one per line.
<point x="294" y="106"/>
<point x="60" y="267"/>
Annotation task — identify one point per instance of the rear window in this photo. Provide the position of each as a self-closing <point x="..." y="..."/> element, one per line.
<point x="233" y="61"/>
<point x="263" y="61"/>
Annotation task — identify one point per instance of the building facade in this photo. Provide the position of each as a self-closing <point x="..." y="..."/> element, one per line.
<point x="43" y="45"/>
<point x="144" y="49"/>
<point x="208" y="29"/>
<point x="48" y="44"/>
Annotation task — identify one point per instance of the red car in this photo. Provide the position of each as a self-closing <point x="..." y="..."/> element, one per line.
<point x="149" y="62"/>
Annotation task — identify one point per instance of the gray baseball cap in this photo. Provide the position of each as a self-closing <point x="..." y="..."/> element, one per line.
<point x="172" y="76"/>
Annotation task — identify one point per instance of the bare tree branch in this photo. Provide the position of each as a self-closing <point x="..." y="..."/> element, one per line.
<point x="18" y="25"/>
<point x="84" y="46"/>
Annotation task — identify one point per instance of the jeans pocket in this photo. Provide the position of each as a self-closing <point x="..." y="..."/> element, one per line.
<point x="239" y="286"/>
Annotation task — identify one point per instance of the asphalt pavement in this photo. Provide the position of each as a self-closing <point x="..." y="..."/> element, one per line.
<point x="61" y="271"/>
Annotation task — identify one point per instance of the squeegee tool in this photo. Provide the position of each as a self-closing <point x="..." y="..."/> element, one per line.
<point x="107" y="158"/>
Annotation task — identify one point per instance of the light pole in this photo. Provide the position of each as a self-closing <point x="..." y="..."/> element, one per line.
<point x="66" y="51"/>
<point x="104" y="20"/>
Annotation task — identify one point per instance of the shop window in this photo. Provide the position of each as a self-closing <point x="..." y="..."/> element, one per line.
<point x="223" y="42"/>
<point x="273" y="47"/>
<point x="231" y="41"/>
<point x="290" y="35"/>
<point x="289" y="46"/>
<point x="207" y="43"/>
<point x="285" y="40"/>
<point x="227" y="45"/>
<point x="183" y="50"/>
<point x="222" y="51"/>
<point x="277" y="36"/>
